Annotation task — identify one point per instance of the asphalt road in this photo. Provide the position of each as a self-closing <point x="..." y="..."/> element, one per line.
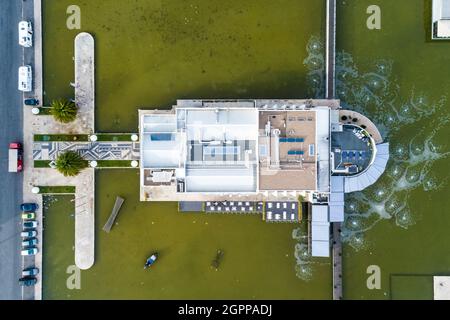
<point x="11" y="110"/>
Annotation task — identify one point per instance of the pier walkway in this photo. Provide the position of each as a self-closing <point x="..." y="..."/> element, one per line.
<point x="85" y="100"/>
<point x="330" y="91"/>
<point x="330" y="85"/>
<point x="85" y="80"/>
<point x="337" y="261"/>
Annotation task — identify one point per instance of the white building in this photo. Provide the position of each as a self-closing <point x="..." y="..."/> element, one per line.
<point x="261" y="150"/>
<point x="441" y="19"/>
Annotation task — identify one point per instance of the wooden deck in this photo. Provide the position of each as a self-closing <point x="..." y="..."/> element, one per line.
<point x="337" y="262"/>
<point x="330" y="85"/>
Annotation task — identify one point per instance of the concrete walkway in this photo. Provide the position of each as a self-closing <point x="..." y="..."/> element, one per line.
<point x="85" y="80"/>
<point x="85" y="220"/>
<point x="84" y="197"/>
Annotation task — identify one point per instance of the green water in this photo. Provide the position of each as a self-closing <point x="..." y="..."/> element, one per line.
<point x="258" y="262"/>
<point x="149" y="53"/>
<point x="152" y="52"/>
<point x="420" y="69"/>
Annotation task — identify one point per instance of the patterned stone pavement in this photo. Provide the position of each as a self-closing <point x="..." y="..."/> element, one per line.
<point x="88" y="150"/>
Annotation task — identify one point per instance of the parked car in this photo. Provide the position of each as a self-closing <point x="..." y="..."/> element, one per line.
<point x="29" y="242"/>
<point x="28" y="207"/>
<point x="15" y="157"/>
<point x="31" y="102"/>
<point x="27" y="281"/>
<point x="29" y="251"/>
<point x="28" y="233"/>
<point x="28" y="215"/>
<point x="30" y="224"/>
<point x="25" y="34"/>
<point x="30" y="272"/>
<point x="25" y="78"/>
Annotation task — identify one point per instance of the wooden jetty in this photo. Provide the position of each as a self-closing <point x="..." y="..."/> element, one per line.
<point x="337" y="262"/>
<point x="108" y="225"/>
<point x="330" y="85"/>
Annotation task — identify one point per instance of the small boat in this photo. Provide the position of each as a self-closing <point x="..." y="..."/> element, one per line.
<point x="151" y="260"/>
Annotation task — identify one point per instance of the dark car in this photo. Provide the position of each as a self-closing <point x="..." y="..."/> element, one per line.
<point x="31" y="102"/>
<point x="27" y="207"/>
<point x="27" y="281"/>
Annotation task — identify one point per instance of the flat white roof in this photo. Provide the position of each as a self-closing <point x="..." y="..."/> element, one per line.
<point x="337" y="197"/>
<point x="337" y="184"/>
<point x="161" y="145"/>
<point x="336" y="213"/>
<point x="222" y="125"/>
<point x="443" y="28"/>
<point x="441" y="287"/>
<point x="159" y="123"/>
<point x="320" y="249"/>
<point x="216" y="180"/>
<point x="319" y="213"/>
<point x="445" y="9"/>
<point x="320" y="231"/>
<point x="213" y="132"/>
<point x="161" y="154"/>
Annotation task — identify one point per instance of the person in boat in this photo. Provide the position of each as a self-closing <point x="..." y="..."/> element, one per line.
<point x="151" y="260"/>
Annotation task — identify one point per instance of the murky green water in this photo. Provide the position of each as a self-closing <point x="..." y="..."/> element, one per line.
<point x="258" y="261"/>
<point x="412" y="105"/>
<point x="150" y="53"/>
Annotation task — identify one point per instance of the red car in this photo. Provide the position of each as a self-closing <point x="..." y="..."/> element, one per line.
<point x="15" y="157"/>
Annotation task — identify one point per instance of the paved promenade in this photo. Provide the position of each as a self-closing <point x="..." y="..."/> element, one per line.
<point x="84" y="197"/>
<point x="85" y="80"/>
<point x="84" y="183"/>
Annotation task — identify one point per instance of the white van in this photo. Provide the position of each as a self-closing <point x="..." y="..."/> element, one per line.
<point x="25" y="78"/>
<point x="25" y="34"/>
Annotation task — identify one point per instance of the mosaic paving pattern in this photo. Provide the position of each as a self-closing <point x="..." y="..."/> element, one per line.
<point x="88" y="150"/>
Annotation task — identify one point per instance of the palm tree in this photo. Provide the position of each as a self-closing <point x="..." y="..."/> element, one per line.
<point x="63" y="110"/>
<point x="70" y="163"/>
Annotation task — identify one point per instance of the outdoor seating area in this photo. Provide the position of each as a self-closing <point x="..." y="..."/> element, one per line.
<point x="351" y="150"/>
<point x="241" y="207"/>
<point x="282" y="212"/>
